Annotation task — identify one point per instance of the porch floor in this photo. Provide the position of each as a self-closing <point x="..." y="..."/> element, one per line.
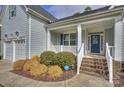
<point x="95" y="56"/>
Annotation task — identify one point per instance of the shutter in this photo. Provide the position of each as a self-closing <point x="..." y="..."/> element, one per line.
<point x="61" y="39"/>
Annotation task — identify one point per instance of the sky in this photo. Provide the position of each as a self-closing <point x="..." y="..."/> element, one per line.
<point x="60" y="11"/>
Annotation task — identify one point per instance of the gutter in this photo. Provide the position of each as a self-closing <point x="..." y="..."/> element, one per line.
<point x="39" y="15"/>
<point x="122" y="14"/>
<point x="67" y="21"/>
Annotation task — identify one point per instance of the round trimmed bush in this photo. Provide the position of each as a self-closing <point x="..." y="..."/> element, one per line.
<point x="54" y="72"/>
<point x="65" y="58"/>
<point x="18" y="65"/>
<point x="47" y="58"/>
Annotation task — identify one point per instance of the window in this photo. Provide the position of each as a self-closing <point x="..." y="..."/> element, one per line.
<point x="66" y="39"/>
<point x="12" y="11"/>
<point x="70" y="39"/>
<point x="73" y="39"/>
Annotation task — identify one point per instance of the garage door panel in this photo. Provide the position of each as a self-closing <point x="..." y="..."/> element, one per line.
<point x="20" y="50"/>
<point x="9" y="51"/>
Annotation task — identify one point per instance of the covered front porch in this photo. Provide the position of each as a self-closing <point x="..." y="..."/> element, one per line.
<point x="92" y="36"/>
<point x="100" y="37"/>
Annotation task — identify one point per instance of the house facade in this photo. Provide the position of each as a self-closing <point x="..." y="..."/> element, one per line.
<point x="23" y="31"/>
<point x="31" y="30"/>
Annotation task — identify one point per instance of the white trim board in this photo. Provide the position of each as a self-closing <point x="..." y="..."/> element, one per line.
<point x="82" y="23"/>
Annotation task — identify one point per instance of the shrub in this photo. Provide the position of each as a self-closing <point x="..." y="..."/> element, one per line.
<point x="54" y="71"/>
<point x="18" y="65"/>
<point x="35" y="59"/>
<point x="28" y="64"/>
<point x="37" y="70"/>
<point x="47" y="58"/>
<point x="65" y="58"/>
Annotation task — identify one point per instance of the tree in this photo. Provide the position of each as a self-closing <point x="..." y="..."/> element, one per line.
<point x="77" y="13"/>
<point x="87" y="9"/>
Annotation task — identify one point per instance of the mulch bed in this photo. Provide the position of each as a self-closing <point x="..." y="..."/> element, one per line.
<point x="119" y="80"/>
<point x="66" y="75"/>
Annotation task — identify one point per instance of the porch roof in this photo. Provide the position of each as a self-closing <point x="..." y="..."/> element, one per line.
<point x="92" y="15"/>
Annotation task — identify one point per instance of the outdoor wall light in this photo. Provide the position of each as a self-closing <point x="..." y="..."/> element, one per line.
<point x="6" y="35"/>
<point x="17" y="34"/>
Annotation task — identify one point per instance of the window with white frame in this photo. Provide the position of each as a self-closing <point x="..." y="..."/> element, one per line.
<point x="70" y="39"/>
<point x="12" y="11"/>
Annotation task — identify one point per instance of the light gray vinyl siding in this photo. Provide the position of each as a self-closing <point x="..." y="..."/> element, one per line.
<point x="55" y="42"/>
<point x="38" y="36"/>
<point x="0" y="43"/>
<point x="109" y="36"/>
<point x="118" y="39"/>
<point x="16" y="24"/>
<point x="123" y="40"/>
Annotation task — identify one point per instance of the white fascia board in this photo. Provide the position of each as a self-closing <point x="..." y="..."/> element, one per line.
<point x="39" y="15"/>
<point x="87" y="16"/>
<point x="82" y="23"/>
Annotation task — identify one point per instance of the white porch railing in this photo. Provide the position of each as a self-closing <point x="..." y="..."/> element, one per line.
<point x="80" y="55"/>
<point x="109" y="63"/>
<point x="112" y="50"/>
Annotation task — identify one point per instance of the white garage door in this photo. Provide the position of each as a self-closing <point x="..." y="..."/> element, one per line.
<point x="20" y="49"/>
<point x="9" y="50"/>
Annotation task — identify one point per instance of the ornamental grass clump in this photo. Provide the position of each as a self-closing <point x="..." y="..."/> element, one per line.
<point x="28" y="64"/>
<point x="35" y="59"/>
<point x="47" y="58"/>
<point x="18" y="65"/>
<point x="38" y="70"/>
<point x="54" y="72"/>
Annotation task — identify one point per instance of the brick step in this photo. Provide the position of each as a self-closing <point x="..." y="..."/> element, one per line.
<point x="93" y="63"/>
<point x="96" y="61"/>
<point x="93" y="69"/>
<point x="90" y="73"/>
<point x="94" y="66"/>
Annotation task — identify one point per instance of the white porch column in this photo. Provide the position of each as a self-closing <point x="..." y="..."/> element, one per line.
<point x="48" y="40"/>
<point x="79" y="37"/>
<point x="79" y="42"/>
<point x="61" y="48"/>
<point x="118" y="39"/>
<point x="4" y="50"/>
<point x="14" y="51"/>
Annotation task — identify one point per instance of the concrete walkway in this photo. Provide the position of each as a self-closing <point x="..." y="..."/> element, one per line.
<point x="9" y="79"/>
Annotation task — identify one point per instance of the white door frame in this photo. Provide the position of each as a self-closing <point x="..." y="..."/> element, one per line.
<point x="102" y="34"/>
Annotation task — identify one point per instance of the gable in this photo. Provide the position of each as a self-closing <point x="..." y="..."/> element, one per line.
<point x="19" y="23"/>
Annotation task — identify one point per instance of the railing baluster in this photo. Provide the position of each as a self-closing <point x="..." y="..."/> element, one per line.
<point x="109" y="63"/>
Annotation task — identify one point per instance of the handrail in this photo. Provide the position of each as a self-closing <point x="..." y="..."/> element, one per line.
<point x="109" y="63"/>
<point x="80" y="55"/>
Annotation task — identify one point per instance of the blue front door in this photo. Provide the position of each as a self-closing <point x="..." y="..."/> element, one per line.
<point x="95" y="43"/>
